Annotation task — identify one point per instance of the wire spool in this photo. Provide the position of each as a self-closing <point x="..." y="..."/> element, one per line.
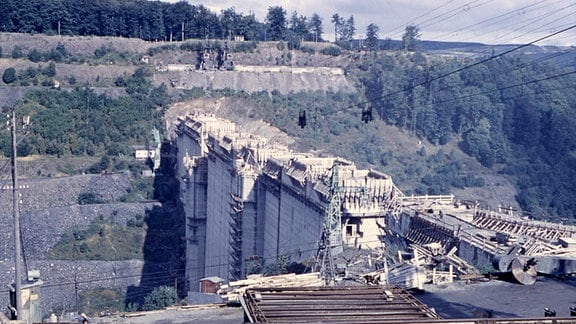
<point x="524" y="270"/>
<point x="502" y="262"/>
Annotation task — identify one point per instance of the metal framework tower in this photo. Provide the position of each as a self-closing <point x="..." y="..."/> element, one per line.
<point x="331" y="240"/>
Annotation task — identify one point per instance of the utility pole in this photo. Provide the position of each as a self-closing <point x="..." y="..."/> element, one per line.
<point x="331" y="230"/>
<point x="16" y="212"/>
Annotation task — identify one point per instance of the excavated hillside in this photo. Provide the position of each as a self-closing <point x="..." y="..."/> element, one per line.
<point x="120" y="57"/>
<point x="498" y="190"/>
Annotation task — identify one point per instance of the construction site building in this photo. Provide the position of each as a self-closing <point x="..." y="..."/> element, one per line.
<point x="248" y="202"/>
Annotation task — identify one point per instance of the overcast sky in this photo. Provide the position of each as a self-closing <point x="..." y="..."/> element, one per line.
<point x="487" y="21"/>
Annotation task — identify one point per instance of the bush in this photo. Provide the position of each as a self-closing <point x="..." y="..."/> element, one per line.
<point x="160" y="297"/>
<point x="35" y="56"/>
<point x="294" y="43"/>
<point x="94" y="301"/>
<point x="9" y="75"/>
<point x="17" y="52"/>
<point x="120" y="82"/>
<point x="307" y="49"/>
<point x="192" y="46"/>
<point x="88" y="198"/>
<point x="137" y="221"/>
<point x="246" y="47"/>
<point x="331" y="50"/>
<point x="101" y="52"/>
<point x="50" y="70"/>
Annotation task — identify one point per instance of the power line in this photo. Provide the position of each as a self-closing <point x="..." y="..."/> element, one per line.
<point x="413" y="21"/>
<point x="503" y="88"/>
<point x="443" y="18"/>
<point x="458" y="70"/>
<point x="539" y="18"/>
<point x="511" y="12"/>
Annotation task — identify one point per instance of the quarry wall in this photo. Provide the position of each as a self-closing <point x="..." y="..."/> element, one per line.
<point x="260" y="78"/>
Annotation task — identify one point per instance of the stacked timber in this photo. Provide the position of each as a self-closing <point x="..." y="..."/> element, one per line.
<point x="408" y="276"/>
<point x="232" y="290"/>
<point x="461" y="267"/>
<point x="424" y="267"/>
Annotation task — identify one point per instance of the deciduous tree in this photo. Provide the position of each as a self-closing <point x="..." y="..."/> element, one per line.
<point x="315" y="27"/>
<point x="411" y="38"/>
<point x="372" y="37"/>
<point x="276" y="20"/>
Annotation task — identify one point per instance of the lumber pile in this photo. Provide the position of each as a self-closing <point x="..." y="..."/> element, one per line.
<point x="232" y="290"/>
<point x="425" y="266"/>
<point x="407" y="275"/>
<point x="461" y="267"/>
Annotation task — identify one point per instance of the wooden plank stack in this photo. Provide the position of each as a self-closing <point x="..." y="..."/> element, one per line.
<point x="232" y="290"/>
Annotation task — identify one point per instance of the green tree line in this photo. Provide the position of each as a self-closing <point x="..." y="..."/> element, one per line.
<point x="152" y="20"/>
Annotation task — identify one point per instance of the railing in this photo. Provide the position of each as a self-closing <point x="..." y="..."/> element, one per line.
<point x="441" y="199"/>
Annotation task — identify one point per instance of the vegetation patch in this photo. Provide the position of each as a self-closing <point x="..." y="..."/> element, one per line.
<point x="103" y="240"/>
<point x="101" y="301"/>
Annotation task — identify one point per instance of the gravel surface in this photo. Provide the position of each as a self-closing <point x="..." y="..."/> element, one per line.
<point x="227" y="315"/>
<point x="505" y="298"/>
<point x="49" y="207"/>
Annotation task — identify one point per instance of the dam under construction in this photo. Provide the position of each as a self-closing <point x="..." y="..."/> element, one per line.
<point x="250" y="203"/>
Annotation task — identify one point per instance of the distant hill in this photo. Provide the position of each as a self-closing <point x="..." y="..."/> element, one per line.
<point x="564" y="55"/>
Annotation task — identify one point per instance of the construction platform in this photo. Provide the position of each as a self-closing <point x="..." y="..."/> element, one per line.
<point x="352" y="304"/>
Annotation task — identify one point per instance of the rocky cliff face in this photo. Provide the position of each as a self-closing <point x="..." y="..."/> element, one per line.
<point x="284" y="81"/>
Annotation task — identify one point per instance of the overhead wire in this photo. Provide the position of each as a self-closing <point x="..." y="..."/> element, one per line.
<point x="538" y="19"/>
<point x="413" y="21"/>
<point x="501" y="89"/>
<point x="493" y="19"/>
<point x="445" y="15"/>
<point x="458" y="70"/>
<point x="164" y="274"/>
<point x="432" y="22"/>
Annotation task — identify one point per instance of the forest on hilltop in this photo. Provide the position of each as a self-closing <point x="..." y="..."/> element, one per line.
<point x="151" y="20"/>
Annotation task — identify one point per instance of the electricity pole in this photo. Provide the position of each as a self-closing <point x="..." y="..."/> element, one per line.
<point x="16" y="212"/>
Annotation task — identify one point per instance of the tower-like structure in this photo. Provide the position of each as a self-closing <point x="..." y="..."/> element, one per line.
<point x="331" y="239"/>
